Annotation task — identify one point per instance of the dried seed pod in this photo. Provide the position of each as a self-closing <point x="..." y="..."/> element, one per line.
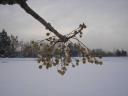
<point x="40" y="66"/>
<point x="57" y="52"/>
<point x="77" y="63"/>
<point x="54" y="39"/>
<point x="100" y="62"/>
<point x="47" y="66"/>
<point x="42" y="59"/>
<point x="66" y="64"/>
<point x="64" y="68"/>
<point x="44" y="63"/>
<point x="51" y="42"/>
<point x="69" y="59"/>
<point x="54" y="64"/>
<point x="73" y="65"/>
<point x="84" y="60"/>
<point x="63" y="46"/>
<point x="77" y="60"/>
<point x="91" y="61"/>
<point x="61" y="72"/>
<point x="50" y="38"/>
<point x="96" y="62"/>
<point x="81" y="32"/>
<point x="80" y="35"/>
<point x="57" y="61"/>
<point x="47" y="34"/>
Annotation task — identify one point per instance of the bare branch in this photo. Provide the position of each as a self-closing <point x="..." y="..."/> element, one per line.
<point x="78" y="30"/>
<point x="25" y="6"/>
<point x="48" y="26"/>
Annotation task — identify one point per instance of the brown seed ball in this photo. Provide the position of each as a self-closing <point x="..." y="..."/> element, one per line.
<point x="73" y="66"/>
<point x="84" y="61"/>
<point x="47" y="34"/>
<point x="40" y="66"/>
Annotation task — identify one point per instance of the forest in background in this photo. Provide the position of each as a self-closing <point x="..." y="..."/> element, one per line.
<point x="10" y="46"/>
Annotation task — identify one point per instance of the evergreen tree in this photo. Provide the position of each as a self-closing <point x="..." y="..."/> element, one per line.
<point x="8" y="44"/>
<point x="5" y="43"/>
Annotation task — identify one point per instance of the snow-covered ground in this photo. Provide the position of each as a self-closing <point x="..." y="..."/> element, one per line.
<point x="21" y="77"/>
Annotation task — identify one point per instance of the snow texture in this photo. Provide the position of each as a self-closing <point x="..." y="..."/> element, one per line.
<point x="21" y="77"/>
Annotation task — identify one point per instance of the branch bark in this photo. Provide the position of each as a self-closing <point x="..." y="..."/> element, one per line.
<point x="47" y="25"/>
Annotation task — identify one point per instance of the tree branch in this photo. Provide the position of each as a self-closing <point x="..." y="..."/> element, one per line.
<point x="78" y="30"/>
<point x="48" y="26"/>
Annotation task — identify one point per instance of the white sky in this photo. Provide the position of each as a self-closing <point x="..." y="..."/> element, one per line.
<point x="106" y="20"/>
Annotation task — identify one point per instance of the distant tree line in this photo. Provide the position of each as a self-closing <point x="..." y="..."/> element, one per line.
<point x="102" y="53"/>
<point x="11" y="47"/>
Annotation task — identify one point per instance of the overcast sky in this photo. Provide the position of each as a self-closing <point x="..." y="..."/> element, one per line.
<point x="106" y="20"/>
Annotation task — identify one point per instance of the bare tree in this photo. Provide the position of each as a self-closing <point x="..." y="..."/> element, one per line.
<point x="58" y="49"/>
